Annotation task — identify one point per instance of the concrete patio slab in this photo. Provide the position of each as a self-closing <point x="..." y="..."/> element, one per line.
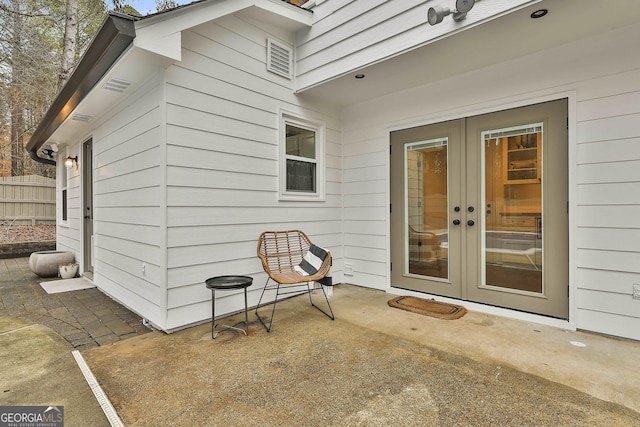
<point x="39" y="331"/>
<point x="38" y="369"/>
<point x="375" y="366"/>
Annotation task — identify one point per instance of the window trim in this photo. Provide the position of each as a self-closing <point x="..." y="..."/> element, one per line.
<point x="64" y="190"/>
<point x="318" y="126"/>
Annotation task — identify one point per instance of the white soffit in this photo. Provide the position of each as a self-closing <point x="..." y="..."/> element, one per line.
<point x="132" y="69"/>
<point x="485" y="44"/>
<point x="158" y="44"/>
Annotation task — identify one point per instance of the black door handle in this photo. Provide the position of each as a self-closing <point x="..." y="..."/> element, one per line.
<point x="471" y="223"/>
<point x="456" y="222"/>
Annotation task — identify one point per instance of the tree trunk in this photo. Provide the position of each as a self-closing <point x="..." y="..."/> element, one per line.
<point x="69" y="43"/>
<point x="15" y="92"/>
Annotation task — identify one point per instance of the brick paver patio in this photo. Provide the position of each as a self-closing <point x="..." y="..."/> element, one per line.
<point x="86" y="318"/>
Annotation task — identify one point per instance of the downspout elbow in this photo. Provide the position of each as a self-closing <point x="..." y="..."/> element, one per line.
<point x="37" y="158"/>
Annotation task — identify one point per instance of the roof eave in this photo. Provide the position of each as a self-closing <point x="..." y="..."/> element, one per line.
<point x="113" y="38"/>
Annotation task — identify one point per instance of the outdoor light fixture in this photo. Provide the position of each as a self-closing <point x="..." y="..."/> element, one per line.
<point x="539" y="13"/>
<point x="51" y="151"/>
<point x="436" y="14"/>
<point x="70" y="162"/>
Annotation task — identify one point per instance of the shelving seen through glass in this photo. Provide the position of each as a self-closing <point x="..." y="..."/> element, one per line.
<point x="511" y="240"/>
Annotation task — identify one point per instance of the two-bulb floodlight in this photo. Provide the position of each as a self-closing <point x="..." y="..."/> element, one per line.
<point x="436" y="14"/>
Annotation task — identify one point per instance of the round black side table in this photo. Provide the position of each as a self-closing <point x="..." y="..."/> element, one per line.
<point x="225" y="283"/>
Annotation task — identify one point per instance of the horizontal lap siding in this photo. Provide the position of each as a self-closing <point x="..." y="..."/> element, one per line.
<point x="127" y="197"/>
<point x="605" y="204"/>
<point x="222" y="166"/>
<point x="366" y="206"/>
<point x="68" y="235"/>
<point x="608" y="208"/>
<point x="348" y="35"/>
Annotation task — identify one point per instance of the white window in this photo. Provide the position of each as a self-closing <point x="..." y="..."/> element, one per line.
<point x="301" y="159"/>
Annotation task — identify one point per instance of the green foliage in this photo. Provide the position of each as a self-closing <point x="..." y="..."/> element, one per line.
<point x="129" y="10"/>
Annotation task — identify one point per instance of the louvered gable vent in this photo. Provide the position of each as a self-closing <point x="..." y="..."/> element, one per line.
<point x="279" y="58"/>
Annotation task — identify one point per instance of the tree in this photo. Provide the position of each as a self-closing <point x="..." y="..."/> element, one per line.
<point x="40" y="44"/>
<point x="69" y="41"/>
<point x="162" y="5"/>
<point x="16" y="99"/>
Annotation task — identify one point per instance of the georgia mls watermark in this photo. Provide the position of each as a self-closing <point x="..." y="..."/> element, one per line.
<point x="31" y="416"/>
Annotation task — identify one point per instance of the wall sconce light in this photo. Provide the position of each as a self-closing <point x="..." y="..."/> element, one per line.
<point x="70" y="162"/>
<point x="436" y="14"/>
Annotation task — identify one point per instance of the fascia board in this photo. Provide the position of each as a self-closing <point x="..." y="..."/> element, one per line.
<point x="169" y="46"/>
<point x="114" y="37"/>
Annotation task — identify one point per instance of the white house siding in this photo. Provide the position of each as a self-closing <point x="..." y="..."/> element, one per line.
<point x="604" y="168"/>
<point x="127" y="204"/>
<point x="222" y="165"/>
<point x="347" y="35"/>
<point x="68" y="234"/>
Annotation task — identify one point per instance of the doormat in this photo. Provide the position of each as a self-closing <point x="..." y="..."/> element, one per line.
<point x="66" y="285"/>
<point x="429" y="307"/>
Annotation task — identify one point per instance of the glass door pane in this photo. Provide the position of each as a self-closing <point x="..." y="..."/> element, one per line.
<point x="511" y="238"/>
<point x="426" y="208"/>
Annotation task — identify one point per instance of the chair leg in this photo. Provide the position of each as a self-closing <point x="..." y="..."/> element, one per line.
<point x="273" y="311"/>
<point x="330" y="316"/>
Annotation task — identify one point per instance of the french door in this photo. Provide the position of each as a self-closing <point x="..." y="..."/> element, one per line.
<point x="479" y="209"/>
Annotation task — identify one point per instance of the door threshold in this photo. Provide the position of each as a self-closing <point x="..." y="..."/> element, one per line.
<point x="492" y="310"/>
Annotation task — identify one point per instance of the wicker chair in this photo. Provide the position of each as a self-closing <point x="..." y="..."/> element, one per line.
<point x="280" y="252"/>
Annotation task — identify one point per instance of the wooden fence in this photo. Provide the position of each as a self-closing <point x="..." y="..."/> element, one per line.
<point x="27" y="200"/>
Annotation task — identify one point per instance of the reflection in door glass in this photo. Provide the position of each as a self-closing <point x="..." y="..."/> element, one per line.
<point x="512" y="197"/>
<point x="426" y="208"/>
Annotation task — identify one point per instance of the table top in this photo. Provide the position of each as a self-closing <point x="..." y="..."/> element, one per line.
<point x="229" y="282"/>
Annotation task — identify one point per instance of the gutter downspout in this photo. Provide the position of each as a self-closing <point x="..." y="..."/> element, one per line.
<point x="115" y="35"/>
